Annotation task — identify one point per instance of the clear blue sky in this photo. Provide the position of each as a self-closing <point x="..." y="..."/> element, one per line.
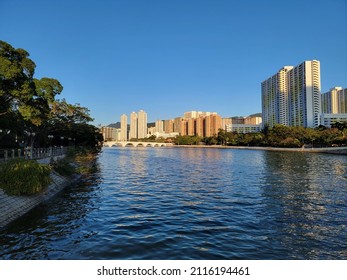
<point x="171" y="56"/>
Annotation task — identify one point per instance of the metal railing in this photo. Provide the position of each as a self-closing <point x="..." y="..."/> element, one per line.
<point x="31" y="153"/>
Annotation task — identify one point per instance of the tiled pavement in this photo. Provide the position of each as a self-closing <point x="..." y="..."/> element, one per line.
<point x="13" y="207"/>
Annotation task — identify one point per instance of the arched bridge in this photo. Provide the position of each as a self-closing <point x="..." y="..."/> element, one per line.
<point x="134" y="144"/>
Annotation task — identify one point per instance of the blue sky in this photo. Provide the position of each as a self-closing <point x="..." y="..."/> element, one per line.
<point x="171" y="56"/>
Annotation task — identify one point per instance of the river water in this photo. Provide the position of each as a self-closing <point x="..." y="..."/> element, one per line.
<point x="192" y="203"/>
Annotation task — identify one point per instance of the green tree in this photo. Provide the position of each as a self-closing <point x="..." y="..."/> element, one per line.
<point x="16" y="77"/>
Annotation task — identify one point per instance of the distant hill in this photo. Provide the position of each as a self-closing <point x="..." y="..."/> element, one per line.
<point x="115" y="125"/>
<point x="256" y="115"/>
<point x="253" y="115"/>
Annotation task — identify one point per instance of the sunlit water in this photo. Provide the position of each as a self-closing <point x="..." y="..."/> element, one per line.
<point x="192" y="203"/>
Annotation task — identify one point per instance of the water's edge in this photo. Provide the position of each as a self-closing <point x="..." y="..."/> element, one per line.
<point x="14" y="207"/>
<point x="327" y="150"/>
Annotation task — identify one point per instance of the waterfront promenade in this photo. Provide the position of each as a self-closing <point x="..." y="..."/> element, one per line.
<point x="13" y="207"/>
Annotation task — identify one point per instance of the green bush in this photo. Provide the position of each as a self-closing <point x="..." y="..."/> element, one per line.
<point x="64" y="167"/>
<point x="24" y="177"/>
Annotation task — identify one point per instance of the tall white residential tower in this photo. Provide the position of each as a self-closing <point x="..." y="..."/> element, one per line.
<point x="123" y="127"/>
<point x="133" y="126"/>
<point x="292" y="96"/>
<point x="142" y="124"/>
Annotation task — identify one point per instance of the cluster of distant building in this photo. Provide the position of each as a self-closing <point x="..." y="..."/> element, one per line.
<point x="192" y="123"/>
<point x="290" y="97"/>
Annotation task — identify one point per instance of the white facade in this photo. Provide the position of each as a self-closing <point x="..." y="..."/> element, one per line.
<point x="292" y="96"/>
<point x="329" y="119"/>
<point x="166" y="135"/>
<point x="244" y="128"/>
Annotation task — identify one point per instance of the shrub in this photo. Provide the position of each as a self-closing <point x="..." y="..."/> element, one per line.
<point x="24" y="177"/>
<point x="64" y="167"/>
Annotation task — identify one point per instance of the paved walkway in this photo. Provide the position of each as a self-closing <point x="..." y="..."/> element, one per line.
<point x="13" y="207"/>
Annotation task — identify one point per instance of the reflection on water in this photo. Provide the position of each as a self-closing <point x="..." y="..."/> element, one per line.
<point x="182" y="203"/>
<point x="306" y="194"/>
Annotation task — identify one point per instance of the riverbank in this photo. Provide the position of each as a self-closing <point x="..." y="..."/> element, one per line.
<point x="327" y="150"/>
<point x="14" y="207"/>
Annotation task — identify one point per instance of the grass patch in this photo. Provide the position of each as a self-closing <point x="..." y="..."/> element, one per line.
<point x="24" y="177"/>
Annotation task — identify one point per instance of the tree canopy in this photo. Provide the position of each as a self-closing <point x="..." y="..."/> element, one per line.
<point x="28" y="106"/>
<point x="278" y="136"/>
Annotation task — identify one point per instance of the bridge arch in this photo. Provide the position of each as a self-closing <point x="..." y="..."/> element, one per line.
<point x="133" y="144"/>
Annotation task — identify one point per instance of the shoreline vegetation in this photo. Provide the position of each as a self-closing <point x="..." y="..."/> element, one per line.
<point x="18" y="196"/>
<point x="29" y="177"/>
<point x="279" y="136"/>
<point x="32" y="117"/>
<point x="329" y="150"/>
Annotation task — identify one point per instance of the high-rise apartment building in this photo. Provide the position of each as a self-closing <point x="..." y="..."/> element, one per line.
<point x="275" y="98"/>
<point x="329" y="101"/>
<point x="169" y="126"/>
<point x="141" y="124"/>
<point x="334" y="101"/>
<point x="177" y="124"/>
<point x="200" y="126"/>
<point x="292" y="96"/>
<point x="213" y="123"/>
<point x="133" y="126"/>
<point x="192" y="114"/>
<point x="342" y="101"/>
<point x="110" y="133"/>
<point x="191" y="126"/>
<point x="123" y="127"/>
<point x="159" y="126"/>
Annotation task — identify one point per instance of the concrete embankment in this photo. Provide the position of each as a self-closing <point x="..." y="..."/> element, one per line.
<point x="13" y="207"/>
<point x="329" y="150"/>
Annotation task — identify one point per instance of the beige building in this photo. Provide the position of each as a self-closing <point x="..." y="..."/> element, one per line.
<point x="159" y="126"/>
<point x="191" y="126"/>
<point x="141" y="124"/>
<point x="133" y="126"/>
<point x="110" y="133"/>
<point x="334" y="101"/>
<point x="192" y="114"/>
<point x="169" y="126"/>
<point x="213" y="123"/>
<point x="225" y="122"/>
<point x="253" y="119"/>
<point x="151" y="131"/>
<point x="177" y="124"/>
<point x="200" y="126"/>
<point x="123" y="128"/>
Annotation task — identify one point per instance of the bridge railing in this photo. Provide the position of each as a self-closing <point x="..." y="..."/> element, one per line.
<point x="31" y="153"/>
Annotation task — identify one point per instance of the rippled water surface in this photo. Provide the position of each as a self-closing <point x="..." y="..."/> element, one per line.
<point x="192" y="203"/>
